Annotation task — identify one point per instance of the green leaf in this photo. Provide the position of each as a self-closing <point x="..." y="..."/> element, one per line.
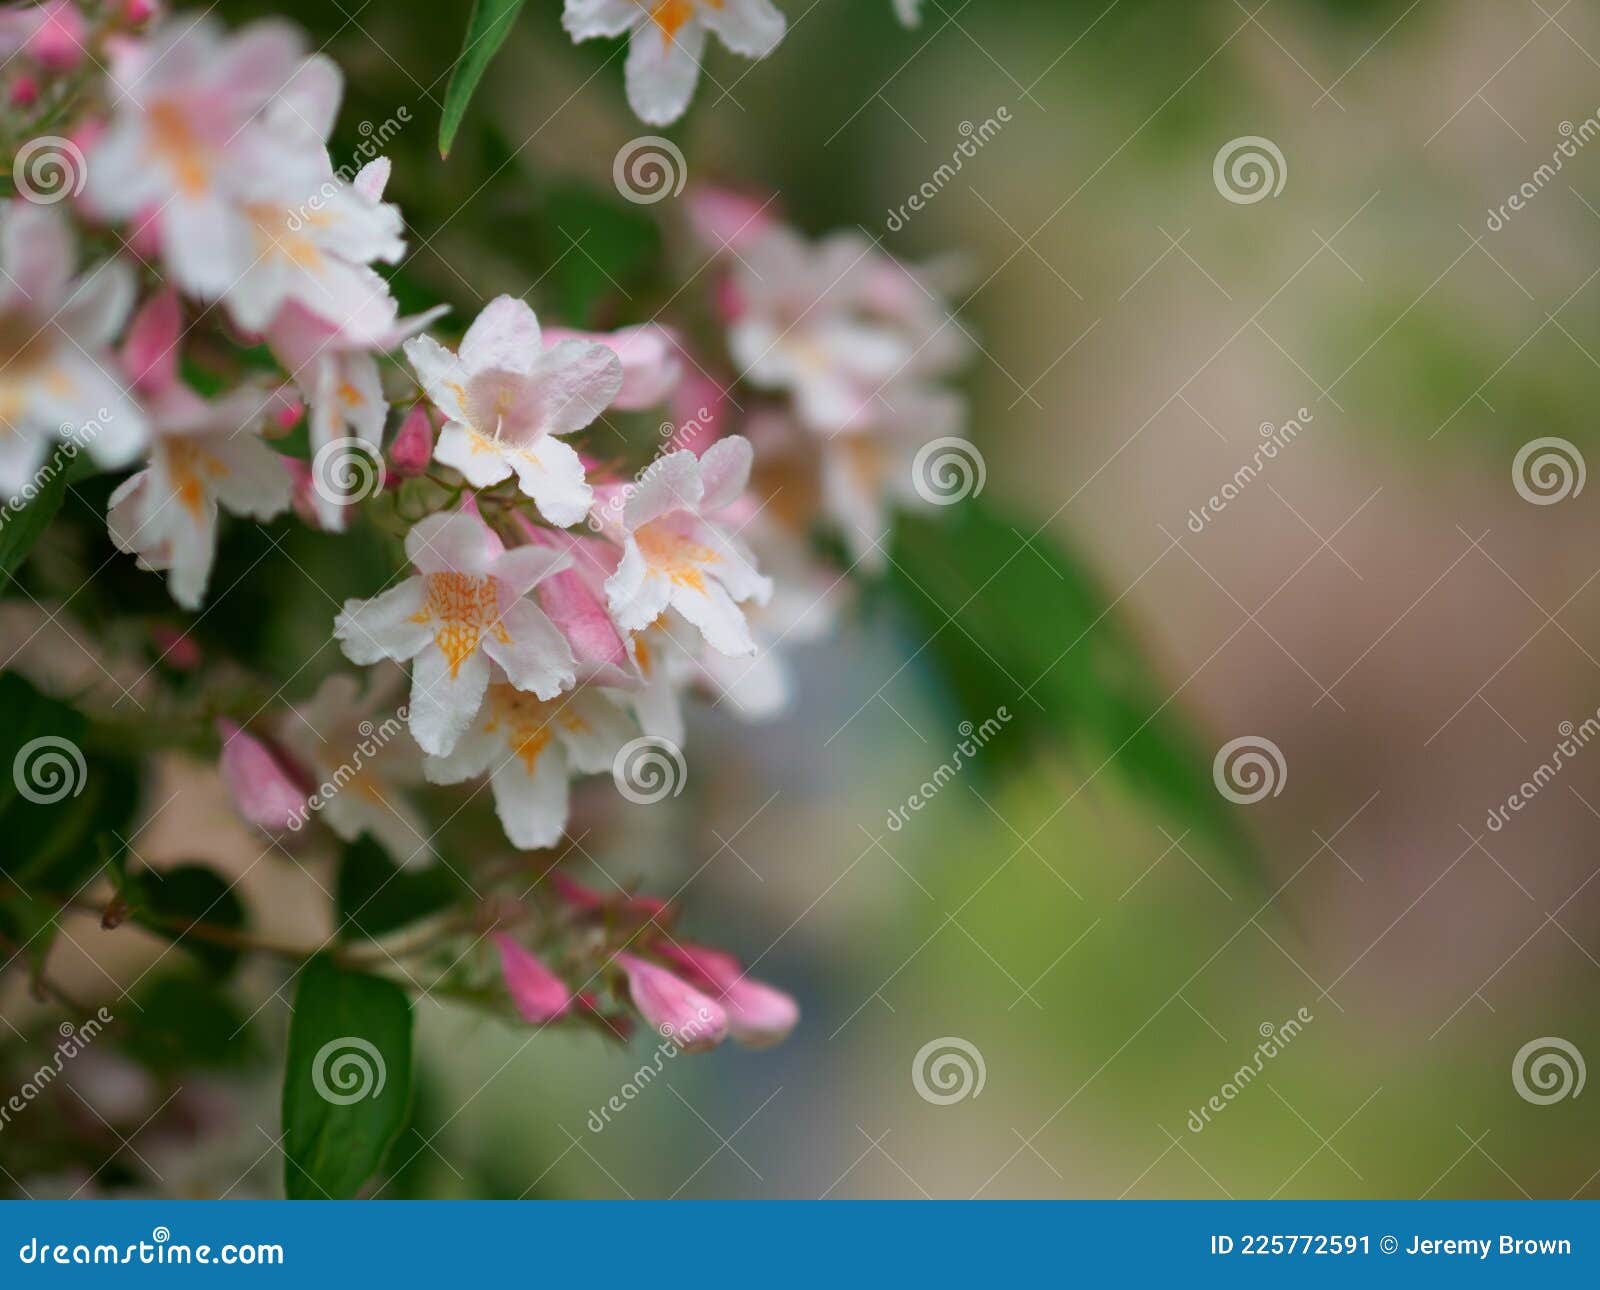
<point x="1016" y="621"/>
<point x="22" y="527"/>
<point x="60" y="810"/>
<point x="169" y="901"/>
<point x="487" y="30"/>
<point x="375" y="896"/>
<point x="183" y="1022"/>
<point x="347" y="1079"/>
<point x="594" y="244"/>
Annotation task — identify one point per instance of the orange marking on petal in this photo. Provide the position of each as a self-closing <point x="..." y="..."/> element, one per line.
<point x="674" y="555"/>
<point x="464" y="607"/>
<point x="350" y="394"/>
<point x="671" y="16"/>
<point x="174" y="140"/>
<point x="187" y="466"/>
<point x="525" y="720"/>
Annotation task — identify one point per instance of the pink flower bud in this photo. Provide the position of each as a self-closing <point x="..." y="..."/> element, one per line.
<point x="412" y="447"/>
<point x="287" y="413"/>
<point x="758" y="1014"/>
<point x="24" y="91"/>
<point x="57" y="42"/>
<point x="261" y="788"/>
<point x="675" y="1008"/>
<point x="150" y="353"/>
<point x="138" y="12"/>
<point x="540" y="995"/>
<point x="178" y="650"/>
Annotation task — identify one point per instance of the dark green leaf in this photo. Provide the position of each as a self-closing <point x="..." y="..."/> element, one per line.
<point x="21" y="526"/>
<point x="594" y="243"/>
<point x="1014" y="620"/>
<point x="347" y="1079"/>
<point x="183" y="1022"/>
<point x="375" y="896"/>
<point x="171" y="901"/>
<point x="487" y="30"/>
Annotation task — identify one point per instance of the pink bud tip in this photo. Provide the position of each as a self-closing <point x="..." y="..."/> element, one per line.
<point x="758" y="1014"/>
<point x="57" y="43"/>
<point x="178" y="650"/>
<point x="540" y="995"/>
<point x="412" y="447"/>
<point x="676" y="1009"/>
<point x="260" y="786"/>
<point x="24" y="91"/>
<point x="286" y="416"/>
<point x="138" y="12"/>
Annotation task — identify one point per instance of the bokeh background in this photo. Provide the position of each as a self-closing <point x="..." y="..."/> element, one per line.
<point x="1381" y="603"/>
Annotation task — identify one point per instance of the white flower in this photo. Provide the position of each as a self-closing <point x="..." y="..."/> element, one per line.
<point x="57" y="377"/>
<point x="506" y="398"/>
<point x="347" y="742"/>
<point x="203" y="454"/>
<point x="675" y="554"/>
<point x="466" y="608"/>
<point x="668" y="41"/>
<point x="835" y="324"/>
<point x="190" y="139"/>
<point x="907" y="11"/>
<point x="312" y="245"/>
<point x="531" y="749"/>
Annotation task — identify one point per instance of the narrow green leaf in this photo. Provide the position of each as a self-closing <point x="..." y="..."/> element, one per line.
<point x="1015" y="620"/>
<point x="487" y="30"/>
<point x="347" y="1079"/>
<point x="375" y="896"/>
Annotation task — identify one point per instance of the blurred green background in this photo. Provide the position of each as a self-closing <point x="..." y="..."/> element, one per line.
<point x="1380" y="603"/>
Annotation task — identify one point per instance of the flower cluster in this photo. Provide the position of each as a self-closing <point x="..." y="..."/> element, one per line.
<point x="554" y="608"/>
